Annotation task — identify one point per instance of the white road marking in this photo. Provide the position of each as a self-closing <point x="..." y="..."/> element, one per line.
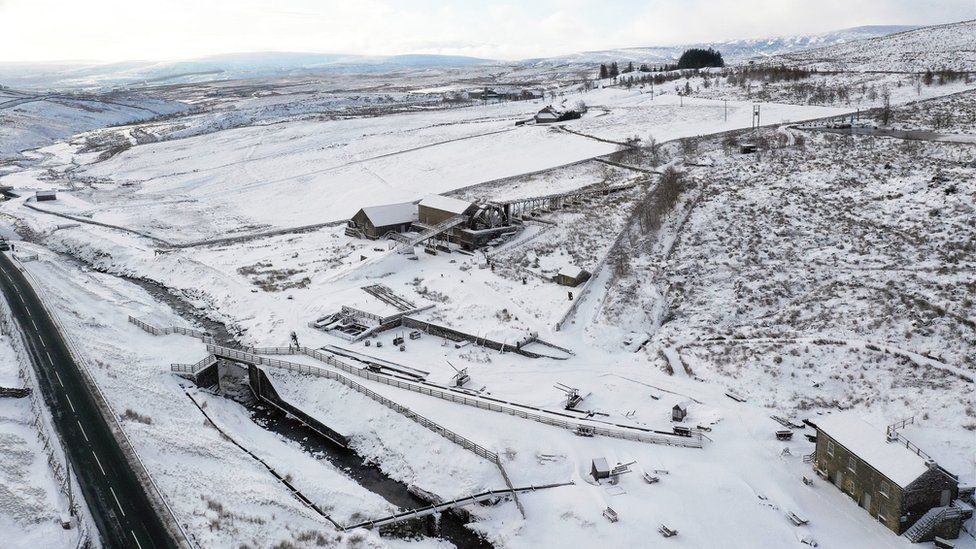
<point x="51" y="360"/>
<point x="56" y="374"/>
<point x="35" y="324"/>
<point x="98" y="462"/>
<point x="119" y="505"/>
<point x="83" y="433"/>
<point x="69" y="403"/>
<point x="135" y="538"/>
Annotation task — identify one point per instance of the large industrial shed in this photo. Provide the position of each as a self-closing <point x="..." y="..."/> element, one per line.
<point x="890" y="478"/>
<point x="436" y="208"/>
<point x="377" y="221"/>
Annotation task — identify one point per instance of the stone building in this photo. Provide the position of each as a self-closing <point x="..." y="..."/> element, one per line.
<point x="890" y="478"/>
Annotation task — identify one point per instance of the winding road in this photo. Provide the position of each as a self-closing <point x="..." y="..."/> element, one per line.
<point x="120" y="506"/>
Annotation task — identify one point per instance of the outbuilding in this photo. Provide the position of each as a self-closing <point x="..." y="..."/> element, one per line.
<point x="42" y="196"/>
<point x="572" y="276"/>
<point x="375" y="222"/>
<point x="889" y="477"/>
<point x="599" y="468"/>
<point x="680" y="410"/>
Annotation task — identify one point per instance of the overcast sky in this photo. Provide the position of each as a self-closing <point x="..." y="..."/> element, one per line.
<point x="114" y="30"/>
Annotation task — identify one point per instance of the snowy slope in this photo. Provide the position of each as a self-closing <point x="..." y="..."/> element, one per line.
<point x="951" y="46"/>
<point x="733" y="50"/>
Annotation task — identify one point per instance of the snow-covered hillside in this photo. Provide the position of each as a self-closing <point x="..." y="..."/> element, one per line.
<point x="29" y="120"/>
<point x="951" y="46"/>
<point x="732" y="50"/>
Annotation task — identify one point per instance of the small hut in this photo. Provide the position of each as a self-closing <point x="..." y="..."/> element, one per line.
<point x="599" y="468"/>
<point x="680" y="410"/>
<point x="572" y="276"/>
<point x="42" y="196"/>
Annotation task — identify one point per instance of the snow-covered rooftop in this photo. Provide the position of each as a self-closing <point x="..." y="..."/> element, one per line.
<point x="391" y="214"/>
<point x="870" y="443"/>
<point x="445" y="203"/>
<point x="571" y="271"/>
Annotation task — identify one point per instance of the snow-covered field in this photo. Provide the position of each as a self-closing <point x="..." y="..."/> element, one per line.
<point x="31" y="501"/>
<point x="827" y="272"/>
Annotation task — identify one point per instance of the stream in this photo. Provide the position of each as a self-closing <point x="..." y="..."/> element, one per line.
<point x="233" y="385"/>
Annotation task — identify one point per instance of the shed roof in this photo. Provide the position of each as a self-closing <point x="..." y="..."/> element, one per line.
<point x="870" y="443"/>
<point x="571" y="271"/>
<point x="391" y="214"/>
<point x="445" y="203"/>
<point x="684" y="405"/>
<point x="601" y="465"/>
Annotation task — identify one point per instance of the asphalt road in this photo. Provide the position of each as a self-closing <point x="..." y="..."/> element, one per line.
<point x="120" y="506"/>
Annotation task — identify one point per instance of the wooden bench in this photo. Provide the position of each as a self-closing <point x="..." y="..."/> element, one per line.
<point x="796" y="519"/>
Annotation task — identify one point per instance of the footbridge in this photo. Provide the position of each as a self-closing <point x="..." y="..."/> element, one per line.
<point x="441" y="507"/>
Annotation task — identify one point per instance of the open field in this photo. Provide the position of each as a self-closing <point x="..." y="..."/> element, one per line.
<point x="823" y="272"/>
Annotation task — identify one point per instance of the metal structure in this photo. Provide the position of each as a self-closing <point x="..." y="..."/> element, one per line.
<point x="460" y="377"/>
<point x="573" y="396"/>
<point x="521" y="207"/>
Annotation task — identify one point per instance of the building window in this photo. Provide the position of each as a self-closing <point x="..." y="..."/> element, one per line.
<point x="885" y="489"/>
<point x="850" y="464"/>
<point x="830" y="448"/>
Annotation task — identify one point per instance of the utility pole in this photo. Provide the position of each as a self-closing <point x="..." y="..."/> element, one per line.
<point x="726" y="109"/>
<point x="755" y="117"/>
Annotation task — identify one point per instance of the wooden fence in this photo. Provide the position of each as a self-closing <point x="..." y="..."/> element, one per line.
<point x="526" y="412"/>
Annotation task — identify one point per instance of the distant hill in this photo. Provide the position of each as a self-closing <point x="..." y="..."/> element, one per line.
<point x="732" y="50"/>
<point x="223" y="67"/>
<point x="951" y="46"/>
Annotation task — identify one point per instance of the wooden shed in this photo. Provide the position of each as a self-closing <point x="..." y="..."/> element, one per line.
<point x="889" y="477"/>
<point x="599" y="468"/>
<point x="572" y="276"/>
<point x="42" y="196"/>
<point x="377" y="221"/>
<point x="680" y="410"/>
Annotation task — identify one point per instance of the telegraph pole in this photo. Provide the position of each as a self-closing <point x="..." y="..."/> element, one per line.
<point x="726" y="109"/>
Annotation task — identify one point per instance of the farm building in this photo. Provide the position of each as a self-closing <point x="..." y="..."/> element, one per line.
<point x="436" y="208"/>
<point x="377" y="221"/>
<point x="41" y="196"/>
<point x="889" y="477"/>
<point x="551" y="114"/>
<point x="572" y="276"/>
<point x="486" y="94"/>
<point x="546" y="115"/>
